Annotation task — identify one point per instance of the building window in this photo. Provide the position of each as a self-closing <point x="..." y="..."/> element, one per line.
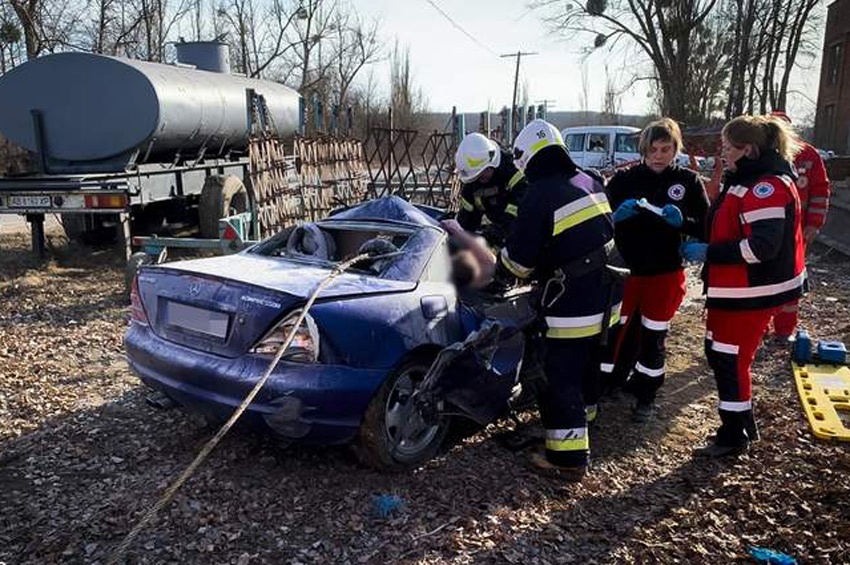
<point x="834" y="65"/>
<point x="829" y="125"/>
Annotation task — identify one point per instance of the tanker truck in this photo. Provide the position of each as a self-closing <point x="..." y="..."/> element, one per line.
<point x="124" y="146"/>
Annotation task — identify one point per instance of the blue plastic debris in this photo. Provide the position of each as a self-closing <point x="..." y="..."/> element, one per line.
<point x="771" y="557"/>
<point x="802" y="347"/>
<point x="832" y="352"/>
<point x="387" y="504"/>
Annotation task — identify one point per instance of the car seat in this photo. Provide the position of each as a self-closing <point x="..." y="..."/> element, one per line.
<point x="310" y="241"/>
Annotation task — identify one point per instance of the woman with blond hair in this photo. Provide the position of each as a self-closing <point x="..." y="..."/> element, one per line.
<point x="649" y="243"/>
<point x="754" y="263"/>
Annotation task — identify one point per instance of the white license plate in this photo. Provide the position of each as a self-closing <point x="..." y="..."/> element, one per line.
<point x="29" y="202"/>
<point x="207" y="322"/>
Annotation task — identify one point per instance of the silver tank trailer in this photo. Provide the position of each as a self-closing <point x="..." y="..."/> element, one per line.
<point x="100" y="109"/>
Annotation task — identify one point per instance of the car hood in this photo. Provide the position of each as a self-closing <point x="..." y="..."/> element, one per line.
<point x="290" y="277"/>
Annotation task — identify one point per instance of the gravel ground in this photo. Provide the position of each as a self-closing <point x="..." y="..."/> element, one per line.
<point x="82" y="455"/>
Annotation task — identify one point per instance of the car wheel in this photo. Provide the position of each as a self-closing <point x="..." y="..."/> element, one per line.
<point x="393" y="436"/>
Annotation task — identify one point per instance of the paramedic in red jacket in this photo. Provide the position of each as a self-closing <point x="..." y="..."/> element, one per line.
<point x="754" y="263"/>
<point x="813" y="187"/>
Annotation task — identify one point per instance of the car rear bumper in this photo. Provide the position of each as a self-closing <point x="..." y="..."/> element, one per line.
<point x="310" y="403"/>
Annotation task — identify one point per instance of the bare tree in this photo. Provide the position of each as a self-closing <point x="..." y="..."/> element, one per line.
<point x="357" y="45"/>
<point x="10" y="38"/>
<point x="659" y="29"/>
<point x="611" y="101"/>
<point x="406" y="98"/>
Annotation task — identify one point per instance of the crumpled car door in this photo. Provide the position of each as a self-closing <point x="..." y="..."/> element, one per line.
<point x="475" y="377"/>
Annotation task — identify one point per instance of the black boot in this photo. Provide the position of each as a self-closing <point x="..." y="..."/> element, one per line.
<point x="751" y="427"/>
<point x="731" y="439"/>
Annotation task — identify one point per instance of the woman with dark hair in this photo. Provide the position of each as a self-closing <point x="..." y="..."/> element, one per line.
<point x="754" y="263"/>
<point x="648" y="238"/>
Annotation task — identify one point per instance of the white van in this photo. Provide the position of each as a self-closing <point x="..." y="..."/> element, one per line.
<point x="602" y="147"/>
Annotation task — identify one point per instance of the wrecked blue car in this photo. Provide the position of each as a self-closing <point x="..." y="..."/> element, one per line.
<point x="390" y="352"/>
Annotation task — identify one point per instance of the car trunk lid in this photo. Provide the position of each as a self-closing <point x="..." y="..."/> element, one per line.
<point x="224" y="305"/>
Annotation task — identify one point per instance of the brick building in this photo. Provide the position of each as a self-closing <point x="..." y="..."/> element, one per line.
<point x="832" y="125"/>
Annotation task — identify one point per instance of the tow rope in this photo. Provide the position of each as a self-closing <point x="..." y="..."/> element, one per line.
<point x="169" y="493"/>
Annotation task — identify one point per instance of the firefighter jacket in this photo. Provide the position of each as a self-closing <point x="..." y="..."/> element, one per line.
<point x="755" y="257"/>
<point x="647" y="243"/>
<point x="813" y="187"/>
<point x="564" y="218"/>
<point x="498" y="198"/>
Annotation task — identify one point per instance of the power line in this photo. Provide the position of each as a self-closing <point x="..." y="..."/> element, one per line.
<point x="460" y="28"/>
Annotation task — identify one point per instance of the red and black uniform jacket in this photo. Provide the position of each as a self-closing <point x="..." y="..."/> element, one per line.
<point x="755" y="257"/>
<point x="813" y="186"/>
<point x="647" y="243"/>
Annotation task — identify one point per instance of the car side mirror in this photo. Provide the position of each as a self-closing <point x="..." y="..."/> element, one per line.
<point x="434" y="307"/>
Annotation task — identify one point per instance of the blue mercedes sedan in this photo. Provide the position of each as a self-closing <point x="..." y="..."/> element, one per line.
<point x="387" y="355"/>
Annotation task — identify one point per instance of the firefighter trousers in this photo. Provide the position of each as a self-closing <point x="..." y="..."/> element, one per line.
<point x="573" y="330"/>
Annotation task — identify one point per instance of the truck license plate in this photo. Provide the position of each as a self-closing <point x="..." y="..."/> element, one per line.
<point x="29" y="202"/>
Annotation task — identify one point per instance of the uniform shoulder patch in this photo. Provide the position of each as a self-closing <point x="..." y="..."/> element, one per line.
<point x="763" y="190"/>
<point x="676" y="192"/>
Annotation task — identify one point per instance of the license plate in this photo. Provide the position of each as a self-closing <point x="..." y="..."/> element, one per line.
<point x="207" y="322"/>
<point x="29" y="202"/>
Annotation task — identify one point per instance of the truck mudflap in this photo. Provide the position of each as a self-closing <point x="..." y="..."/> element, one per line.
<point x="475" y="378"/>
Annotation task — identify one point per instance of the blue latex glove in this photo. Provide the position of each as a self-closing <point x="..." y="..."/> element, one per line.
<point x="626" y="210"/>
<point x="694" y="251"/>
<point x="672" y="215"/>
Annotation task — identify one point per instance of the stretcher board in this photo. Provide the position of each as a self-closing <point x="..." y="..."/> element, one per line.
<point x="825" y="394"/>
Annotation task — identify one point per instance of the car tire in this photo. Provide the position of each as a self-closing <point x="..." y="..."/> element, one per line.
<point x="376" y="446"/>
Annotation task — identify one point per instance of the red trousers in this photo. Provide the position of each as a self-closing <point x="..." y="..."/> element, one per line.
<point x="785" y="319"/>
<point x="638" y="348"/>
<point x="731" y="341"/>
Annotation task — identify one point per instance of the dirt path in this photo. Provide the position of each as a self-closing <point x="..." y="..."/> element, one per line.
<point x="82" y="455"/>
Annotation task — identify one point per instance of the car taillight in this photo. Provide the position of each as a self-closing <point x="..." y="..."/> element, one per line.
<point x="137" y="310"/>
<point x="304" y="346"/>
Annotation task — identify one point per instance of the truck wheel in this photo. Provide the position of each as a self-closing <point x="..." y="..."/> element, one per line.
<point x="382" y="442"/>
<point x="135" y="262"/>
<point x="90" y="229"/>
<point x="221" y="196"/>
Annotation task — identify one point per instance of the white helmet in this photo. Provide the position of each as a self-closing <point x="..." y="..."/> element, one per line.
<point x="534" y="137"/>
<point x="475" y="153"/>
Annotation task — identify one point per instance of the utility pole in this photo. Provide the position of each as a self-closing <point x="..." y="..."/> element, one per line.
<point x="518" y="55"/>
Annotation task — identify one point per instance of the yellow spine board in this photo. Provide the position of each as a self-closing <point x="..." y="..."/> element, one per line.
<point x="825" y="394"/>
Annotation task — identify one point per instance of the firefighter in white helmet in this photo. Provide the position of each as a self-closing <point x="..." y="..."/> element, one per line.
<point x="563" y="238"/>
<point x="492" y="187"/>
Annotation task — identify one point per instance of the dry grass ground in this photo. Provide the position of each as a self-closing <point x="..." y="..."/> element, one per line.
<point x="82" y="455"/>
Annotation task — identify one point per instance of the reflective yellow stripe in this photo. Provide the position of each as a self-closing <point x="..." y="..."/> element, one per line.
<point x="511" y="209"/>
<point x="570" y="439"/>
<point x="466" y="205"/>
<point x="581" y="444"/>
<point x="537" y="146"/>
<point x="518" y="176"/>
<point x="596" y="209"/>
<point x="512" y="266"/>
<point x="475" y="162"/>
<point x="582" y="331"/>
<point x="478" y="203"/>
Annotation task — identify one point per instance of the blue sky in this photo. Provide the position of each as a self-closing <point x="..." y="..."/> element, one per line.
<point x="454" y="70"/>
